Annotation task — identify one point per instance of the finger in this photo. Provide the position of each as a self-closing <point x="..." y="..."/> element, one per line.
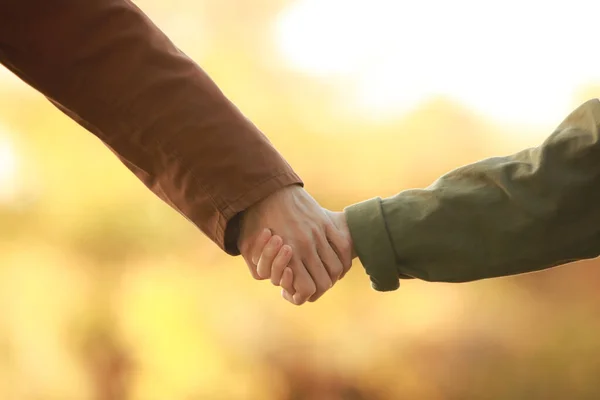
<point x="341" y="244"/>
<point x="303" y="282"/>
<point x="332" y="263"/>
<point x="259" y="244"/>
<point x="268" y="256"/>
<point x="277" y="269"/>
<point x="287" y="281"/>
<point x="281" y="261"/>
<point x="252" y="269"/>
<point x="318" y="273"/>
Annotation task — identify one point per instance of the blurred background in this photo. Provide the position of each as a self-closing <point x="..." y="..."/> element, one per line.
<point x="108" y="294"/>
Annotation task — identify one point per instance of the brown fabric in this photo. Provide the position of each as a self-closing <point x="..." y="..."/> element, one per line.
<point x="107" y="66"/>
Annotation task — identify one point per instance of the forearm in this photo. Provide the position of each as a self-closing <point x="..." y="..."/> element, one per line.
<point x="526" y="212"/>
<point x="106" y="65"/>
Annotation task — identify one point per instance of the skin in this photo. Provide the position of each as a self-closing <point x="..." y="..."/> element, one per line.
<point x="320" y="252"/>
<point x="275" y="254"/>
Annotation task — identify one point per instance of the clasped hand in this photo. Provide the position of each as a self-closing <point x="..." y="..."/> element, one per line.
<point x="291" y="240"/>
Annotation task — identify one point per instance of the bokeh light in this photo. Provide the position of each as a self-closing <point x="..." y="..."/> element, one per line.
<point x="8" y="169"/>
<point x="108" y="294"/>
<point x="516" y="61"/>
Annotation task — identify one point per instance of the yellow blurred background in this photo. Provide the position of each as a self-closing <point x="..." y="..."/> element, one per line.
<point x="108" y="294"/>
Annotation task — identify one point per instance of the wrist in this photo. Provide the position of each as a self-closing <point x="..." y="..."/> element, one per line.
<point x="352" y="248"/>
<point x="232" y="234"/>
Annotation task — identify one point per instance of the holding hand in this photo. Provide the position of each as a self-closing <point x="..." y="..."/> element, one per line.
<point x="322" y="252"/>
<point x="274" y="255"/>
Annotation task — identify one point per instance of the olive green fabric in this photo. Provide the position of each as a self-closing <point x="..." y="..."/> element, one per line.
<point x="533" y="210"/>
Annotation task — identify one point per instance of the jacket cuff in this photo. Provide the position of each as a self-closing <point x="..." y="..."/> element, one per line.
<point x="228" y="229"/>
<point x="372" y="243"/>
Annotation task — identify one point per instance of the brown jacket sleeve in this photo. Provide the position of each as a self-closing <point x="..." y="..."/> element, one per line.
<point x="106" y="65"/>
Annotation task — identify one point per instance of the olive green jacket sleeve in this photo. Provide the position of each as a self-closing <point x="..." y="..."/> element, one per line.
<point x="526" y="212"/>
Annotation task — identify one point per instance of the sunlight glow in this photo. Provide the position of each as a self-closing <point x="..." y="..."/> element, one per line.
<point x="8" y="171"/>
<point x="514" y="61"/>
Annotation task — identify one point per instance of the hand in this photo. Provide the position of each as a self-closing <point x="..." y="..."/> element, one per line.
<point x="339" y="220"/>
<point x="320" y="249"/>
<point x="275" y="255"/>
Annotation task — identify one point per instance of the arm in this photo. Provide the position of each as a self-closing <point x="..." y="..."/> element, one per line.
<point x="533" y="210"/>
<point x="107" y="66"/>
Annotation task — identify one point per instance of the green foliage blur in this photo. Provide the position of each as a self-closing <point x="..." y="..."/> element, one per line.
<point x="108" y="294"/>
